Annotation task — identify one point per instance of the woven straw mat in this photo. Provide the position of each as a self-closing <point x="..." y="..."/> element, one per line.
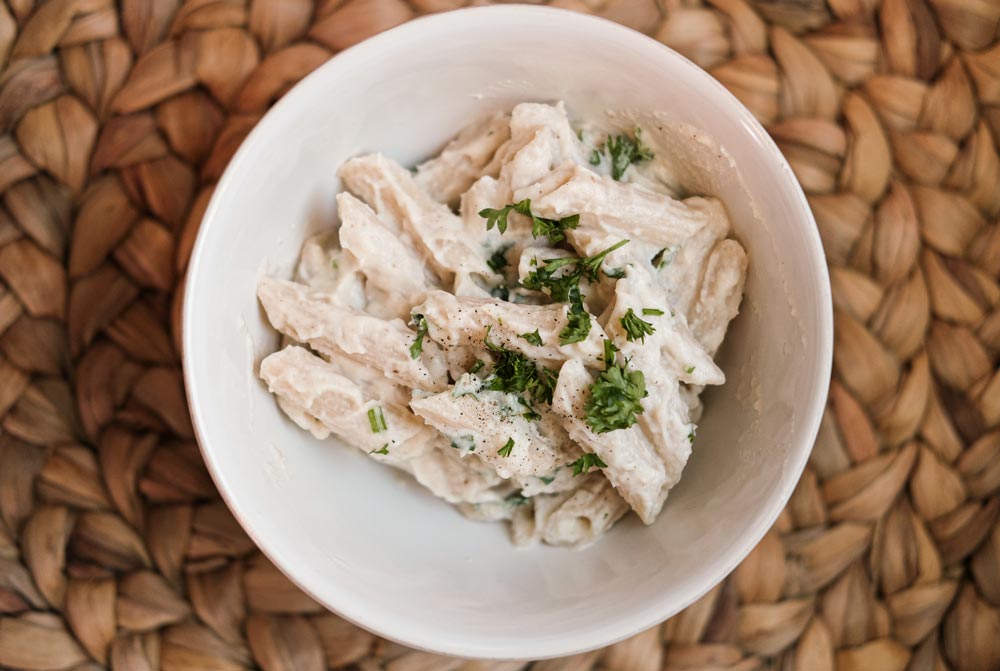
<point x="116" y="120"/>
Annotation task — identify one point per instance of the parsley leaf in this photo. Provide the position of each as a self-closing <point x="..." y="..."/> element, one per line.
<point x="477" y="366"/>
<point x="506" y="449"/>
<point x="595" y="157"/>
<point x="577" y="320"/>
<point x="546" y="479"/>
<point x="533" y="338"/>
<point x="592" y="264"/>
<point x="615" y="397"/>
<point x="615" y="273"/>
<point x="382" y="450"/>
<point x="514" y="500"/>
<point x="560" y="285"/>
<point x="624" y="151"/>
<point x="496" y="217"/>
<point x="635" y="327"/>
<point x="418" y="345"/>
<point x="498" y="260"/>
<point x="514" y="373"/>
<point x="555" y="229"/>
<point x="609" y="354"/>
<point x="467" y="443"/>
<point x="583" y="465"/>
<point x="652" y="312"/>
<point x="689" y="370"/>
<point x="376" y="419"/>
<point x="663" y="258"/>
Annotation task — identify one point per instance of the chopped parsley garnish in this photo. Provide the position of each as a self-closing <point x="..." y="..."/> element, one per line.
<point x="635" y="327"/>
<point x="591" y="265"/>
<point x="498" y="216"/>
<point x="506" y="449"/>
<point x="467" y="443"/>
<point x="514" y="373"/>
<point x="376" y="419"/>
<point x="615" y="397"/>
<point x="624" y="151"/>
<point x="609" y="354"/>
<point x="476" y="367"/>
<point x="577" y="320"/>
<point x="583" y="465"/>
<point x="558" y="284"/>
<point x="595" y="157"/>
<point x="689" y="370"/>
<point x="533" y="338"/>
<point x="500" y="291"/>
<point x="652" y="312"/>
<point x="554" y="229"/>
<point x="663" y="258"/>
<point x="546" y="479"/>
<point x="382" y="450"/>
<point x="615" y="273"/>
<point x="691" y="436"/>
<point x="418" y="345"/>
<point x="516" y="499"/>
<point x="498" y="260"/>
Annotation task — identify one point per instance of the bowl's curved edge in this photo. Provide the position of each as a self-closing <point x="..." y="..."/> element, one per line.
<point x="613" y="632"/>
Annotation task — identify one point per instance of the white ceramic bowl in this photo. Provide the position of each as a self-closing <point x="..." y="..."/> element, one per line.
<point x="366" y="541"/>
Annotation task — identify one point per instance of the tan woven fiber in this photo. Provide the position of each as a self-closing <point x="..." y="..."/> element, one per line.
<point x="116" y="119"/>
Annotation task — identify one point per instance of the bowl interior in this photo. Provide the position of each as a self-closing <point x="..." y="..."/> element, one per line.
<point x="370" y="543"/>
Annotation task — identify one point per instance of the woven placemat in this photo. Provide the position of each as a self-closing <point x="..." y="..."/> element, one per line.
<point x="116" y="119"/>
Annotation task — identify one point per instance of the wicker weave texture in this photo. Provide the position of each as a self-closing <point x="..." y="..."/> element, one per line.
<point x="116" y="120"/>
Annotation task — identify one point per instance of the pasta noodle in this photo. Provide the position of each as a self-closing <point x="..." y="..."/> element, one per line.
<point x="524" y="323"/>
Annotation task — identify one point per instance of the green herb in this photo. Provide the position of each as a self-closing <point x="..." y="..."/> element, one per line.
<point x="615" y="397"/>
<point x="498" y="216"/>
<point x="595" y="157"/>
<point x="583" y="465"/>
<point x="533" y="338"/>
<point x="376" y="419"/>
<point x="609" y="354"/>
<point x="383" y="450"/>
<point x="545" y="277"/>
<point x="554" y="229"/>
<point x="464" y="443"/>
<point x="560" y="285"/>
<point x="476" y="367"/>
<point x="689" y="370"/>
<point x="506" y="449"/>
<point x="624" y="151"/>
<point x="486" y="341"/>
<point x="514" y="373"/>
<point x="691" y="436"/>
<point x="635" y="327"/>
<point x="591" y="265"/>
<point x="514" y="500"/>
<point x="418" y="345"/>
<point x="577" y="320"/>
<point x="500" y="291"/>
<point x="334" y="264"/>
<point x="652" y="312"/>
<point x="546" y="479"/>
<point x="498" y="260"/>
<point x="662" y="258"/>
<point x="615" y="273"/>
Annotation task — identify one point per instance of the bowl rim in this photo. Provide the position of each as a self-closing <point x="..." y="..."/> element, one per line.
<point x="654" y="612"/>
